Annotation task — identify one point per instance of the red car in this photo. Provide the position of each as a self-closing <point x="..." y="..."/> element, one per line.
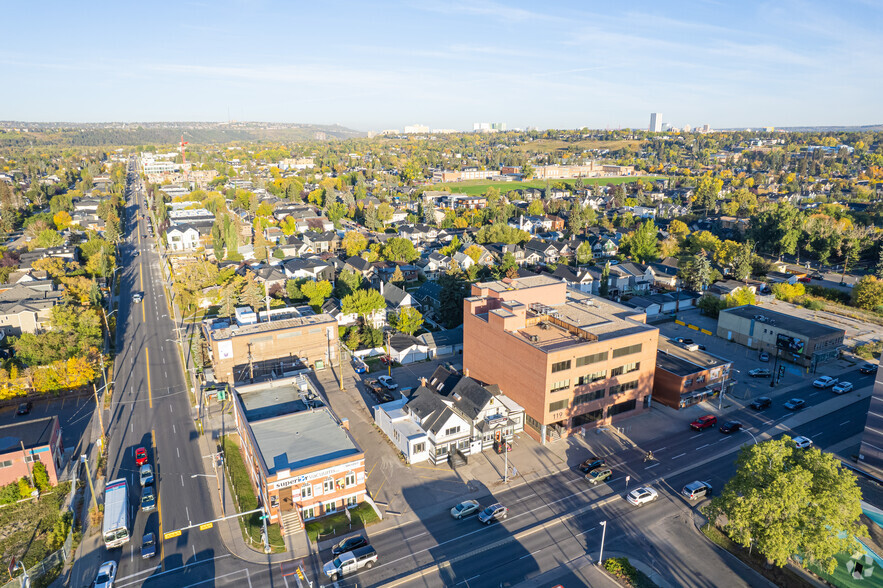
<point x="706" y="422"/>
<point x="805" y="279"/>
<point x="140" y="456"/>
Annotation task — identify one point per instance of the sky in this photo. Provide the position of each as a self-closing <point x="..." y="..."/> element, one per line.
<point x="446" y="63"/>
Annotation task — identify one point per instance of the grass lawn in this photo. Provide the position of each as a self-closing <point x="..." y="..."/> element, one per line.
<point x="549" y="145"/>
<point x="237" y="475"/>
<point x="26" y="527"/>
<point x="842" y="578"/>
<point x="477" y="187"/>
<point x="337" y="523"/>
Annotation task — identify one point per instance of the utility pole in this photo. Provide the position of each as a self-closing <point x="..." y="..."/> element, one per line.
<point x="100" y="410"/>
<point x="388" y="357"/>
<point x="250" y="364"/>
<point x="603" y="534"/>
<point x="85" y="461"/>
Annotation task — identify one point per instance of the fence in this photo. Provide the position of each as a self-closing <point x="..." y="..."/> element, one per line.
<point x="54" y="560"/>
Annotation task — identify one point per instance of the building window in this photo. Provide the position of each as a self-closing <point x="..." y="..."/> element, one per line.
<point x="6" y="464"/>
<point x="586" y="398"/>
<point x="351" y="501"/>
<point x="630" y="350"/>
<point x="560" y="366"/>
<point x="532" y="423"/>
<point x="595" y="358"/>
<point x="562" y="385"/>
<point x="328" y="485"/>
<point x="560" y="405"/>
<point x="623" y="407"/>
<point x="441" y="450"/>
<point x="419" y="447"/>
<point x="591" y="378"/>
<point x="308" y="512"/>
<point x="350" y="479"/>
<point x="688" y="382"/>
<point x="625" y="369"/>
<point x="588" y="418"/>
<point x="620" y="388"/>
<point x="306" y="491"/>
<point x="452" y="431"/>
<point x="31" y="458"/>
<point x="331" y="506"/>
<point x="700" y="379"/>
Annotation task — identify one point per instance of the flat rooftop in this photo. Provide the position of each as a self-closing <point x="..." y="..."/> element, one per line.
<point x="519" y="284"/>
<point x="302" y="439"/>
<point x="33" y="434"/>
<point x="676" y="359"/>
<point x="228" y="331"/>
<point x="268" y="401"/>
<point x="807" y="328"/>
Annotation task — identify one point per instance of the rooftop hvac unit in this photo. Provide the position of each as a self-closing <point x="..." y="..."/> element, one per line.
<point x="534" y="338"/>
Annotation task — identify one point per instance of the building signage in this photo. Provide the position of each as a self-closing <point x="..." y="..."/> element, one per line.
<point x="225" y="349"/>
<point x="313" y="475"/>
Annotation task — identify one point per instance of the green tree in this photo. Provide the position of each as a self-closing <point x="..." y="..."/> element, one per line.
<point x="451" y="299"/>
<point x="348" y="282"/>
<point x="41" y="476"/>
<point x="742" y="262"/>
<point x="527" y="171"/>
<point x="741" y="297"/>
<point x="785" y="500"/>
<point x="354" y="242"/>
<point x="397" y="276"/>
<point x="293" y="289"/>
<point x="400" y="249"/>
<point x="363" y="303"/>
<point x="708" y="192"/>
<point x="679" y="229"/>
<point x="697" y="274"/>
<point x="316" y="292"/>
<point x="868" y="293"/>
<point x="408" y="320"/>
<point x="536" y="208"/>
<point x="584" y="253"/>
<point x="644" y="246"/>
<point x="604" y="286"/>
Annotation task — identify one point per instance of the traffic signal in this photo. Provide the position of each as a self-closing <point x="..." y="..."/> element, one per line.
<point x="781" y="373"/>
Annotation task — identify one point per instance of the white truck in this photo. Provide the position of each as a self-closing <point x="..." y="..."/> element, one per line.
<point x="116" y="513"/>
<point x="350" y="562"/>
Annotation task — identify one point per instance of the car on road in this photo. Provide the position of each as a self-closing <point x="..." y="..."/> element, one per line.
<point x="148" y="546"/>
<point x="704" y="422"/>
<point x="802" y="442"/>
<point x="465" y="509"/>
<point x="493" y="513"/>
<point x="842" y="388"/>
<point x="107" y="573"/>
<point x="641" y="496"/>
<point x="761" y="403"/>
<point x="696" y="490"/>
<point x="349" y="544"/>
<point x="148" y="499"/>
<point x="868" y="368"/>
<point x="145" y="474"/>
<point x="764" y="356"/>
<point x="24" y="408"/>
<point x="684" y="341"/>
<point x="760" y="373"/>
<point x="599" y="475"/>
<point x="730" y="427"/>
<point x="359" y="366"/>
<point x="140" y="456"/>
<point x="387" y="382"/>
<point x="137" y="297"/>
<point x="349" y="562"/>
<point x="805" y="279"/>
<point x="591" y="464"/>
<point x="795" y="404"/>
<point x="824" y="382"/>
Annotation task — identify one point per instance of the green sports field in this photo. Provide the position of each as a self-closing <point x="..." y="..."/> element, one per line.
<point x="476" y="187"/>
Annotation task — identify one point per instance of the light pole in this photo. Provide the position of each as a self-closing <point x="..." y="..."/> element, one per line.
<point x="752" y="435"/>
<point x="603" y="535"/>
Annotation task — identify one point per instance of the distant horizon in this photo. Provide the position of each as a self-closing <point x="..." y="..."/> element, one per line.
<point x="448" y="63"/>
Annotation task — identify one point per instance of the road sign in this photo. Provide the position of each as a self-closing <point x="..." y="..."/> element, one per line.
<point x="264" y="517"/>
<point x="172" y="534"/>
<point x="206" y="526"/>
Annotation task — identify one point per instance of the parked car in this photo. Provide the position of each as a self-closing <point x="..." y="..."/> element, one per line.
<point x="387" y="382"/>
<point x="730" y="427"/>
<point x="824" y="382"/>
<point x="802" y="442"/>
<point x="359" y="366"/>
<point x="591" y="464"/>
<point x="148" y="546"/>
<point x="760" y="373"/>
<point x="842" y="388"/>
<point x="107" y="573"/>
<point x="148" y="499"/>
<point x="764" y="356"/>
<point x="24" y="408"/>
<point x="761" y="403"/>
<point x="493" y="513"/>
<point x="642" y="496"/>
<point x="795" y="404"/>
<point x="684" y="341"/>
<point x="599" y="475"/>
<point x="696" y="490"/>
<point x="349" y="544"/>
<point x="465" y="509"/>
<point x="386" y="360"/>
<point x="140" y="456"/>
<point x="704" y="422"/>
<point x="868" y="368"/>
<point x="146" y="474"/>
<point x="350" y="562"/>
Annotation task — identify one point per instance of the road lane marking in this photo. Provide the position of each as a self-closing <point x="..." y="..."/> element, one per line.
<point x="677" y="456"/>
<point x="147" y="363"/>
<point x="170" y="571"/>
<point x="816" y="435"/>
<point x="652" y="466"/>
<point x="844" y="423"/>
<point x="170" y="408"/>
<point x="182" y="480"/>
<point x="702" y="446"/>
<point x="179" y="452"/>
<point x="162" y="556"/>
<point x="174" y="430"/>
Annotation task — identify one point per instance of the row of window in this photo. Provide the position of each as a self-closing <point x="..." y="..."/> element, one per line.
<point x="306" y="491"/>
<point x="596" y="376"/>
<point x="699" y="380"/>
<point x="314" y="511"/>
<point x="28" y="459"/>
<point x="595" y="395"/>
<point x="560" y="366"/>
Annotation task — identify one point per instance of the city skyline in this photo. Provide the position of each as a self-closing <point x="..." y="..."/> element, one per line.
<point x="448" y="65"/>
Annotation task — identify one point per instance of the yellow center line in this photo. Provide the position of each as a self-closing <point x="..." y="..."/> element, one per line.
<point x="147" y="363"/>
<point x="159" y="538"/>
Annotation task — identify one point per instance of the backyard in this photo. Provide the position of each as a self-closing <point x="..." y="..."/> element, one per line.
<point x="33" y="529"/>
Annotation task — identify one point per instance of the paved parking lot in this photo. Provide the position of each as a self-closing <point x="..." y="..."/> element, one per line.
<point x="74" y="414"/>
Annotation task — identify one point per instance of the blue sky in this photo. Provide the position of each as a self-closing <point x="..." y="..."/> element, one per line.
<point x="446" y="63"/>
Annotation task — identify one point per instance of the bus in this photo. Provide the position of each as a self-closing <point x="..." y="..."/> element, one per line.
<point x="116" y="513"/>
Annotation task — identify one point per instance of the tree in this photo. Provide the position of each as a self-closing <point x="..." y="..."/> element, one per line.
<point x="292" y="289"/>
<point x="868" y="293"/>
<point x="669" y="247"/>
<point x="879" y="269"/>
<point x="708" y="192"/>
<point x="354" y="242"/>
<point x="584" y="253"/>
<point x="742" y="262"/>
<point x="252" y="293"/>
<point x="363" y="302"/>
<point x="644" y="246"/>
<point x="397" y="276"/>
<point x="679" y="229"/>
<point x="604" y="286"/>
<point x="408" y="320"/>
<point x="785" y="500"/>
<point x="527" y="171"/>
<point x="704" y="240"/>
<point x="474" y="251"/>
<point x="348" y="282"/>
<point x="316" y="292"/>
<point x="741" y="297"/>
<point x="536" y="208"/>
<point x="62" y="220"/>
<point x="451" y="299"/>
<point x="697" y="274"/>
<point x="400" y="249"/>
<point x="787" y="292"/>
<point x="288" y="226"/>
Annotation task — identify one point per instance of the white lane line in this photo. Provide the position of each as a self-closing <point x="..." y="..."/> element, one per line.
<point x="178" y="451"/>
<point x="182" y="480"/>
<point x="843" y="423"/>
<point x="418" y="535"/>
<point x="816" y="435"/>
<point x="681" y="455"/>
<point x="219" y="577"/>
<point x="132" y="427"/>
<point x="661" y="449"/>
<point x="170" y="408"/>
<point x="813" y="394"/>
<point x="652" y="466"/>
<point x="194" y="552"/>
<point x="131" y="554"/>
<point x="151" y="570"/>
<point x="467" y="580"/>
<point x="174" y="430"/>
<point x="248" y="577"/>
<point x="702" y="446"/>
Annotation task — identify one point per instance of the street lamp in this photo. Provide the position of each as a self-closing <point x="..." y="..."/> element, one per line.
<point x="752" y="435"/>
<point x="603" y="534"/>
